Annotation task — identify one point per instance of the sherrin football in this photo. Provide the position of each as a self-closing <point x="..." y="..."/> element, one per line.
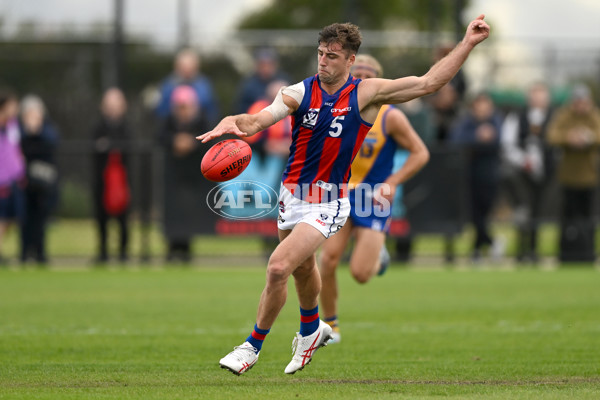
<point x="226" y="160"/>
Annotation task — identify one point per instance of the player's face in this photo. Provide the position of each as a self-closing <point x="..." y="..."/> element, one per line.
<point x="333" y="63"/>
<point x="363" y="71"/>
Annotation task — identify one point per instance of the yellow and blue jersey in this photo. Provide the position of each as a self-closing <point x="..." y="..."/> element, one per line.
<point x="375" y="160"/>
<point x="372" y="165"/>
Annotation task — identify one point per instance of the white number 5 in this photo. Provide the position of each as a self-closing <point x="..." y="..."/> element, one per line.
<point x="336" y="126"/>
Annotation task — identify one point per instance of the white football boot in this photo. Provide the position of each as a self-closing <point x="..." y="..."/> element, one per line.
<point x="304" y="347"/>
<point x="241" y="359"/>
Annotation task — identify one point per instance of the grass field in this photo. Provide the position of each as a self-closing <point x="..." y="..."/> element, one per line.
<point x="77" y="238"/>
<point x="158" y="333"/>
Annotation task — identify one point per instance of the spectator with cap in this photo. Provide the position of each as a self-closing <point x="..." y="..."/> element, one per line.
<point x="39" y="142"/>
<point x="266" y="71"/>
<point x="575" y="130"/>
<point x="186" y="71"/>
<point x="183" y="188"/>
<point x="12" y="167"/>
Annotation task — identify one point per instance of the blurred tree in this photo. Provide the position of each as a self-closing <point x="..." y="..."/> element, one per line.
<point x="368" y="14"/>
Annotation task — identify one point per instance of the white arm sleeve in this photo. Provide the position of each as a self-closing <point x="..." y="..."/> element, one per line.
<point x="278" y="109"/>
<point x="296" y="92"/>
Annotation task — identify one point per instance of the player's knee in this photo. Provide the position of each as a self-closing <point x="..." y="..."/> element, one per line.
<point x="327" y="271"/>
<point x="361" y="275"/>
<point x="329" y="261"/>
<point x="277" y="270"/>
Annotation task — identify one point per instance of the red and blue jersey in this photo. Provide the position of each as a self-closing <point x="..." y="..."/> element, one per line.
<point x="327" y="133"/>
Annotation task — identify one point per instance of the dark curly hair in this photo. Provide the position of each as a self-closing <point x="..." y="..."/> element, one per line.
<point x="346" y="34"/>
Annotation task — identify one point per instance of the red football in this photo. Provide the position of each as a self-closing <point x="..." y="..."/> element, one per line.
<point x="226" y="160"/>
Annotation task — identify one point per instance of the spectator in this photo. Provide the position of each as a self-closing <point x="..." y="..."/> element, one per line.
<point x="111" y="137"/>
<point x="39" y="141"/>
<point x="420" y="116"/>
<point x="478" y="131"/>
<point x="266" y="70"/>
<point x="270" y="149"/>
<point x="575" y="130"/>
<point x="186" y="72"/>
<point x="184" y="191"/>
<point x="529" y="162"/>
<point x="12" y="167"/>
<point x="447" y="101"/>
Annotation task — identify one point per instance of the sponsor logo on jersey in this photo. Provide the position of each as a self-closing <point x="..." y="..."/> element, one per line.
<point x="320" y="222"/>
<point x="344" y="110"/>
<point x="324" y="217"/>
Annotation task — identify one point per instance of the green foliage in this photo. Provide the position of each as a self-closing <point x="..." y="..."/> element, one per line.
<point x="159" y="333"/>
<point x="368" y="14"/>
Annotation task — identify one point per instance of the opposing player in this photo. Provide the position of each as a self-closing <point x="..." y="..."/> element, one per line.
<point x="372" y="189"/>
<point x="332" y="113"/>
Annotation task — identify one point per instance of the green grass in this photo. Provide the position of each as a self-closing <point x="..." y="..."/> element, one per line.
<point x="77" y="238"/>
<point x="415" y="333"/>
<point x="72" y="237"/>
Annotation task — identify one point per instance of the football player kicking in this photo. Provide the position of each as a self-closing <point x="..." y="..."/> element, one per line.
<point x="332" y="113"/>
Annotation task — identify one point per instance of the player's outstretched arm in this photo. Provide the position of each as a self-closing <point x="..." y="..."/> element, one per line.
<point x="407" y="138"/>
<point x="248" y="124"/>
<point x="400" y="129"/>
<point x="383" y="91"/>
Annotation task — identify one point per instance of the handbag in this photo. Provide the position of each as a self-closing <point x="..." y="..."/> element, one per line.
<point x="116" y="196"/>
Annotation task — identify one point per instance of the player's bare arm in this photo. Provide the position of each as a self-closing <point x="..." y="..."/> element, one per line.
<point x="244" y="125"/>
<point x="407" y="138"/>
<point x="375" y="92"/>
<point x="400" y="129"/>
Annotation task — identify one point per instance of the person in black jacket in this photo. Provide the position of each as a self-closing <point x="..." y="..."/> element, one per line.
<point x="110" y="137"/>
<point x="185" y="190"/>
<point x="39" y="140"/>
<point x="529" y="164"/>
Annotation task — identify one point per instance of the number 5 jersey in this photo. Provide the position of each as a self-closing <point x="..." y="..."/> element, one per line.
<point x="327" y="133"/>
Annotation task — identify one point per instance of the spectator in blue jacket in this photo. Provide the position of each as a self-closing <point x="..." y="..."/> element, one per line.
<point x="186" y="72"/>
<point x="478" y="132"/>
<point x="266" y="71"/>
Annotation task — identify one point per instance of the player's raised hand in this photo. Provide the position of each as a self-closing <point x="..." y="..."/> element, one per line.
<point x="227" y="125"/>
<point x="477" y="31"/>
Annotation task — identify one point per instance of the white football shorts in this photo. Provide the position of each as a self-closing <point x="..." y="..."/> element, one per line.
<point x="327" y="218"/>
